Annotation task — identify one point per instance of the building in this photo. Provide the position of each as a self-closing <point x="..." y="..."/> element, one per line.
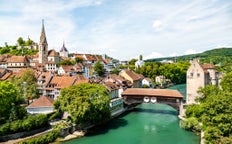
<point x="63" y="51"/>
<point x="42" y="105"/>
<point x="147" y="81"/>
<point x="116" y="102"/>
<point x="134" y="78"/>
<point x="43" y="47"/>
<point x="199" y="76"/>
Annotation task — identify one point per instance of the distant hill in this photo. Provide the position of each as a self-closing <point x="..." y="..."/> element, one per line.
<point x="218" y="52"/>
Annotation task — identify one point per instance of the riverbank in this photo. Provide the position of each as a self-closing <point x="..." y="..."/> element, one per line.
<point x="81" y="133"/>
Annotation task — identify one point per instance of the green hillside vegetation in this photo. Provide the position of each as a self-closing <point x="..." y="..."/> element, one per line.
<point x="12" y="49"/>
<point x="221" y="57"/>
<point x="222" y="52"/>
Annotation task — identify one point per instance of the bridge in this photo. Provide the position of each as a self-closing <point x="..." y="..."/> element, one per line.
<point x="173" y="98"/>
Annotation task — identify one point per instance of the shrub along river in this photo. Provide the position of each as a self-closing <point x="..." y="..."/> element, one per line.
<point x="147" y="124"/>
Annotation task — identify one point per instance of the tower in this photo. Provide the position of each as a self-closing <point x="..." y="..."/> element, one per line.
<point x="63" y="51"/>
<point x="43" y="46"/>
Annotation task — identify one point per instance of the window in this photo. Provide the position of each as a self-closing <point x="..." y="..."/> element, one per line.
<point x="191" y="74"/>
<point x="198" y="74"/>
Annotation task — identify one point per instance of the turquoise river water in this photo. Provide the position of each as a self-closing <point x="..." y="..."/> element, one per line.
<point x="147" y="124"/>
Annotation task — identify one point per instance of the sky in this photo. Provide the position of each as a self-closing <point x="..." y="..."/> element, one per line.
<point x="122" y="29"/>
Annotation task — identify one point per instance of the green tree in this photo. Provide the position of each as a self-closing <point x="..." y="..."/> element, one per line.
<point x="78" y="60"/>
<point x="99" y="68"/>
<point x="10" y="97"/>
<point x="66" y="62"/>
<point x="20" y="41"/>
<point x="227" y="82"/>
<point x="87" y="103"/>
<point x="27" y="84"/>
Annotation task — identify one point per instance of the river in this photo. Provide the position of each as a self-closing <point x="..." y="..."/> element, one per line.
<point x="147" y="124"/>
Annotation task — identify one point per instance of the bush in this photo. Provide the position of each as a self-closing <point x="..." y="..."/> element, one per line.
<point x="191" y="124"/>
<point x="43" y="139"/>
<point x="28" y="124"/>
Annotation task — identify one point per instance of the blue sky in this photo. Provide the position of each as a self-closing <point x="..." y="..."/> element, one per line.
<point x="123" y="29"/>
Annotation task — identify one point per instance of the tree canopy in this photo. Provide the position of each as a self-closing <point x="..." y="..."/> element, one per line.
<point x="99" y="68"/>
<point x="9" y="98"/>
<point x="27" y="84"/>
<point x="87" y="103"/>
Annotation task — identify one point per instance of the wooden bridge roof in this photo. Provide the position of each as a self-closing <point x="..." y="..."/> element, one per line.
<point x="152" y="92"/>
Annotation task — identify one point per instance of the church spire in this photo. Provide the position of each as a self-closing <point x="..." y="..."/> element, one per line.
<point x="43" y="39"/>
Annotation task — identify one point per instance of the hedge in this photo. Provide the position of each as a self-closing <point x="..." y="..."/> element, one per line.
<point x="43" y="139"/>
<point x="28" y="124"/>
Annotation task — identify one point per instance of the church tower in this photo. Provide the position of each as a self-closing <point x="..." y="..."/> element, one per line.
<point x="63" y="51"/>
<point x="43" y="46"/>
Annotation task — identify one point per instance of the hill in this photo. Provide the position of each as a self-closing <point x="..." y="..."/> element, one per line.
<point x="218" y="52"/>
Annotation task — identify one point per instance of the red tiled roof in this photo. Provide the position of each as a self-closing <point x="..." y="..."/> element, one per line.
<point x="148" y="79"/>
<point x="63" y="81"/>
<point x="18" y="59"/>
<point x="43" y="101"/>
<point x="52" y="53"/>
<point x="111" y="86"/>
<point x="152" y="92"/>
<point x="133" y="75"/>
<point x="6" y="76"/>
<point x="208" y="66"/>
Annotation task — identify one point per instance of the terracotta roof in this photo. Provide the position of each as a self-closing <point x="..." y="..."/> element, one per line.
<point x="45" y="76"/>
<point x="81" y="81"/>
<point x="152" y="92"/>
<point x="208" y="66"/>
<point x="107" y="60"/>
<point x="63" y="81"/>
<point x="52" y="53"/>
<point x="81" y="77"/>
<point x="133" y="75"/>
<point x="148" y="79"/>
<point x="79" y="56"/>
<point x="111" y="86"/>
<point x="68" y="68"/>
<point x="18" y="59"/>
<point x="43" y="101"/>
<point x="6" y="76"/>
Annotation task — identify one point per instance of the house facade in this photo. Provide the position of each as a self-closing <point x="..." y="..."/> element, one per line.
<point x="199" y="76"/>
<point x="134" y="78"/>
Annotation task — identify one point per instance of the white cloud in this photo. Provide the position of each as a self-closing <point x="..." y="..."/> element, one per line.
<point x="153" y="55"/>
<point x="190" y="51"/>
<point x="157" y="25"/>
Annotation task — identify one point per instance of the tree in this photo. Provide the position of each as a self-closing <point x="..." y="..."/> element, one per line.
<point x="27" y="84"/>
<point x="10" y="97"/>
<point x="140" y="57"/>
<point x="227" y="82"/>
<point x="99" y="68"/>
<point x="78" y="60"/>
<point x="87" y="103"/>
<point x="20" y="41"/>
<point x="66" y="62"/>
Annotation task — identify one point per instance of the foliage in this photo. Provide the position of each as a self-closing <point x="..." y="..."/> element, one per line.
<point x="66" y="62"/>
<point x="78" y="60"/>
<point x="30" y="123"/>
<point x="87" y="103"/>
<point x="191" y="124"/>
<point x="43" y="139"/>
<point x="226" y="82"/>
<point x="99" y="68"/>
<point x="115" y="71"/>
<point x="176" y="72"/>
<point x="27" y="84"/>
<point x="145" y="86"/>
<point x="214" y="112"/>
<point x="9" y="100"/>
